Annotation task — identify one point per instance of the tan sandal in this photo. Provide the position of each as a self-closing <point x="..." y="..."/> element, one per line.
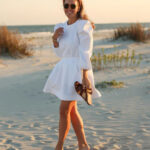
<point x="86" y="93"/>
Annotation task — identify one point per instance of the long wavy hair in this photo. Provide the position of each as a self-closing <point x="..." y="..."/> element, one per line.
<point x="81" y="13"/>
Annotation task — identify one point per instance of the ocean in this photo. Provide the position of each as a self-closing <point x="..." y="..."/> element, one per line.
<point x="49" y="28"/>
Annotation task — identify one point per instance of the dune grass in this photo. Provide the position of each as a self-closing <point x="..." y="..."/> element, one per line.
<point x="113" y="84"/>
<point x="134" y="32"/>
<point x="116" y="60"/>
<point x="12" y="44"/>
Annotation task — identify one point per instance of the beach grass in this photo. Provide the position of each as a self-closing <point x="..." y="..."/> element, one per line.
<point x="134" y="32"/>
<point x="113" y="84"/>
<point x="117" y="60"/>
<point x="12" y="44"/>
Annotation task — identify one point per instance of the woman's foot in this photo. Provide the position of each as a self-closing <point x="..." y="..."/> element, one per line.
<point x="84" y="147"/>
<point x="58" y="147"/>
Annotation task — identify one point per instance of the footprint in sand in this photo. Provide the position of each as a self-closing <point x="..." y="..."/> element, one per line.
<point x="36" y="124"/>
<point x="9" y="121"/>
<point x="112" y="115"/>
<point x="15" y="126"/>
<point x="100" y="146"/>
<point x="11" y="148"/>
<point x="71" y="147"/>
<point x="6" y="141"/>
<point x="5" y="125"/>
<point x="94" y="134"/>
<point x="47" y="148"/>
<point x="10" y="126"/>
<point x="28" y="138"/>
<point x="18" y="145"/>
<point x="111" y="118"/>
<point x="38" y="137"/>
<point x="2" y="65"/>
<point x="146" y="116"/>
<point x="10" y="142"/>
<point x="32" y="138"/>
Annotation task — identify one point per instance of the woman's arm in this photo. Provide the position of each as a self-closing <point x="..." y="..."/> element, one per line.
<point x="85" y="34"/>
<point x="55" y="42"/>
<point x="58" y="32"/>
<point x="85" y="80"/>
<point x="85" y="73"/>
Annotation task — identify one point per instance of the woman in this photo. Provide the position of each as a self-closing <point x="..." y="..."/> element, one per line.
<point x="73" y="43"/>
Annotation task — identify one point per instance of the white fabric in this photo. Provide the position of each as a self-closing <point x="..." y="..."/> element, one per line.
<point x="75" y="49"/>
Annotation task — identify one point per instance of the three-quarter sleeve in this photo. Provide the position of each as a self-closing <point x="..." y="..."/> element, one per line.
<point x="85" y="33"/>
<point x="57" y="49"/>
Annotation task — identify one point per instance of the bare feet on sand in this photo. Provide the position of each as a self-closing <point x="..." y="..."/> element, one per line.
<point x="59" y="149"/>
<point x="85" y="147"/>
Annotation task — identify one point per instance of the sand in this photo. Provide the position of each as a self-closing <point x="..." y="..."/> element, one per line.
<point x="119" y="120"/>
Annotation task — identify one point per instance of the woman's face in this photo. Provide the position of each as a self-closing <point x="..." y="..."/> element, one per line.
<point x="71" y="13"/>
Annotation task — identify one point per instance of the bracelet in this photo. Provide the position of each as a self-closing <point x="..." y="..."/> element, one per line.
<point x="54" y="39"/>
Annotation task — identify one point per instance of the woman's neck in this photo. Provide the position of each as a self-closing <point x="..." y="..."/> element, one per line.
<point x="72" y="20"/>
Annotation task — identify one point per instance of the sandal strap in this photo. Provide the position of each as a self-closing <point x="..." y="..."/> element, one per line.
<point x="89" y="90"/>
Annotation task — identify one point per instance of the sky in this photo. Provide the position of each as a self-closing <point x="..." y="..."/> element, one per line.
<point x="42" y="12"/>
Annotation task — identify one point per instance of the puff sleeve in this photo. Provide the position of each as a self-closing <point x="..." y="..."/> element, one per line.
<point x="57" y="50"/>
<point x="85" y="34"/>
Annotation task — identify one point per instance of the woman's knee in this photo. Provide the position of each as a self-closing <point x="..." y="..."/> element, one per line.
<point x="74" y="110"/>
<point x="65" y="107"/>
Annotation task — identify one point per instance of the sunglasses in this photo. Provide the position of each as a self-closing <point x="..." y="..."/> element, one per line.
<point x="66" y="6"/>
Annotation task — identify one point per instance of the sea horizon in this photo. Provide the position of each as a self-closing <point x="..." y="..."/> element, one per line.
<point x="50" y="27"/>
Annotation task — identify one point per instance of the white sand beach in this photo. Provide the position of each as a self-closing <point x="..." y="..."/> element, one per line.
<point x="119" y="120"/>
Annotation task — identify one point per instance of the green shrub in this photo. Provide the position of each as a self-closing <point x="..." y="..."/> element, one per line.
<point x="112" y="83"/>
<point x="119" y="59"/>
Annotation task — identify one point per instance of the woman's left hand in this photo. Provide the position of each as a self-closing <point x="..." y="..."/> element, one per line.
<point x="86" y="82"/>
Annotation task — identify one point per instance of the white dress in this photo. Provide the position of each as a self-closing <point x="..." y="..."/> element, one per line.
<point x="75" y="49"/>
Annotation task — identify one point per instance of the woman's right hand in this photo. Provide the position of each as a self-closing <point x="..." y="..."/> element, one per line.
<point x="58" y="32"/>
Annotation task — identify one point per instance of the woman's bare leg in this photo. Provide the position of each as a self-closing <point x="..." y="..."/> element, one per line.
<point x="77" y="124"/>
<point x="64" y="122"/>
